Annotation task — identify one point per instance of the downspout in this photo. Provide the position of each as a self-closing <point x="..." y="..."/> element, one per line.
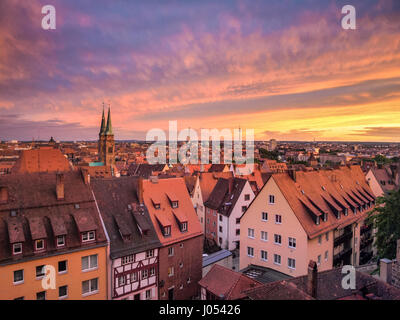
<point x="109" y="273"/>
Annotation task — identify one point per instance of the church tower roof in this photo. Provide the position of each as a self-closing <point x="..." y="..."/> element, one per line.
<point x="109" y="126"/>
<point x="103" y="123"/>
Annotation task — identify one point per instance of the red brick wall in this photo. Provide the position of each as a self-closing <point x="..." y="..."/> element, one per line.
<point x="191" y="255"/>
<point x="209" y="226"/>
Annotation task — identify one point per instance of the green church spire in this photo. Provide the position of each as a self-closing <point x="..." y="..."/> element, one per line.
<point x="103" y="123"/>
<point x="109" y="127"/>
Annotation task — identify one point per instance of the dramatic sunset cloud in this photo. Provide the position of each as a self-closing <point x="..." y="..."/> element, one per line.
<point x="284" y="68"/>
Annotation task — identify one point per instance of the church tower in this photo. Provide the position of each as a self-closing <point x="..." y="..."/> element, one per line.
<point x="106" y="141"/>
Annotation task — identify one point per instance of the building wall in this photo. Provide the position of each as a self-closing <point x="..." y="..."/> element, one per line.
<point x="141" y="285"/>
<point x="198" y="203"/>
<point x="236" y="214"/>
<point x="211" y="224"/>
<point x="290" y="227"/>
<point x="317" y="248"/>
<point x="191" y="257"/>
<point x="72" y="278"/>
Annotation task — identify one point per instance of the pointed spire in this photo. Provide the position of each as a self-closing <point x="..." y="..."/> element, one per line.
<point x="109" y="126"/>
<point x="103" y="124"/>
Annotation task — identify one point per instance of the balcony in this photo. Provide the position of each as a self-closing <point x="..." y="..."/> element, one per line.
<point x="341" y="256"/>
<point x="343" y="238"/>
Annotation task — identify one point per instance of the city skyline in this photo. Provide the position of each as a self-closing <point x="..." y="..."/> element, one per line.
<point x="286" y="69"/>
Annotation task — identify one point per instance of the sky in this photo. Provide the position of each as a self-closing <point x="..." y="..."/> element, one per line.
<point x="286" y="68"/>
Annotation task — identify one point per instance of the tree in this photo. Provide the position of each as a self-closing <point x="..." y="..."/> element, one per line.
<point x="386" y="219"/>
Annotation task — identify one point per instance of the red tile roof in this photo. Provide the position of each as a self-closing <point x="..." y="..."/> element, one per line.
<point x="45" y="159"/>
<point x="227" y="284"/>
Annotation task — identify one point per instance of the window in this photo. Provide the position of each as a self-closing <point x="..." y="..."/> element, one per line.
<point x="277" y="259"/>
<point x="88" y="236"/>
<point x="278" y="219"/>
<point x="264" y="235"/>
<point x="148" y="294"/>
<point x="41" y="295"/>
<point x="264" y="216"/>
<point x="63" y="292"/>
<point x="121" y="280"/>
<point x="291" y="263"/>
<point x="246" y="197"/>
<point x="220" y="218"/>
<point x="244" y="208"/>
<point x="181" y="265"/>
<point x="89" y="262"/>
<point x="39" y="244"/>
<point x="149" y="253"/>
<point x="39" y="271"/>
<point x="184" y="226"/>
<point x="60" y="241"/>
<point x="278" y="239"/>
<point x="152" y="271"/>
<point x="292" y="242"/>
<point x="319" y="259"/>
<point x="128" y="259"/>
<point x="189" y="280"/>
<point x="17" y="248"/>
<point x="319" y="239"/>
<point x="327" y="236"/>
<point x="250" y="233"/>
<point x="134" y="277"/>
<point x="220" y="229"/>
<point x="62" y="266"/>
<point x="90" y="286"/>
<point x="170" y="271"/>
<point x="181" y="245"/>
<point x="271" y="199"/>
<point x="264" y="255"/>
<point x="250" y="251"/>
<point x="174" y="204"/>
<point x="167" y="231"/>
<point x="326" y="255"/>
<point x="237" y="220"/>
<point x="145" y="273"/>
<point x="237" y="232"/>
<point x="18" y="276"/>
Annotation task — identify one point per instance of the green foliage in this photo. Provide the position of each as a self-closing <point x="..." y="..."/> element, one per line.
<point x="272" y="155"/>
<point x="386" y="219"/>
<point x="381" y="159"/>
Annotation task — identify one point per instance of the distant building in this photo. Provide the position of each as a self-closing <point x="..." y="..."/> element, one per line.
<point x="383" y="179"/>
<point x="106" y="141"/>
<point x="45" y="159"/>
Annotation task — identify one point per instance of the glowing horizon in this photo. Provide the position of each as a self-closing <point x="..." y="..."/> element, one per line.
<point x="283" y="68"/>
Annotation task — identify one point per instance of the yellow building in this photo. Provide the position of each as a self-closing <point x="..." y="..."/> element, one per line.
<point x="52" y="242"/>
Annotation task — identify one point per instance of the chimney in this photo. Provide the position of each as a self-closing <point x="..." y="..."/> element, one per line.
<point x="386" y="270"/>
<point x="3" y="195"/>
<point x="86" y="177"/>
<point x="292" y="174"/>
<point x="60" y="186"/>
<point x="140" y="191"/>
<point x="312" y="279"/>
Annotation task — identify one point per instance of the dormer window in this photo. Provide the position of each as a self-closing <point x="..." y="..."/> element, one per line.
<point x="325" y="217"/>
<point x="317" y="221"/>
<point x="157" y="206"/>
<point x="39" y="245"/>
<point x="184" y="226"/>
<point x="167" y="231"/>
<point x="88" y="236"/>
<point x="17" y="248"/>
<point x="346" y="211"/>
<point x="174" y="204"/>
<point x="60" y="241"/>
